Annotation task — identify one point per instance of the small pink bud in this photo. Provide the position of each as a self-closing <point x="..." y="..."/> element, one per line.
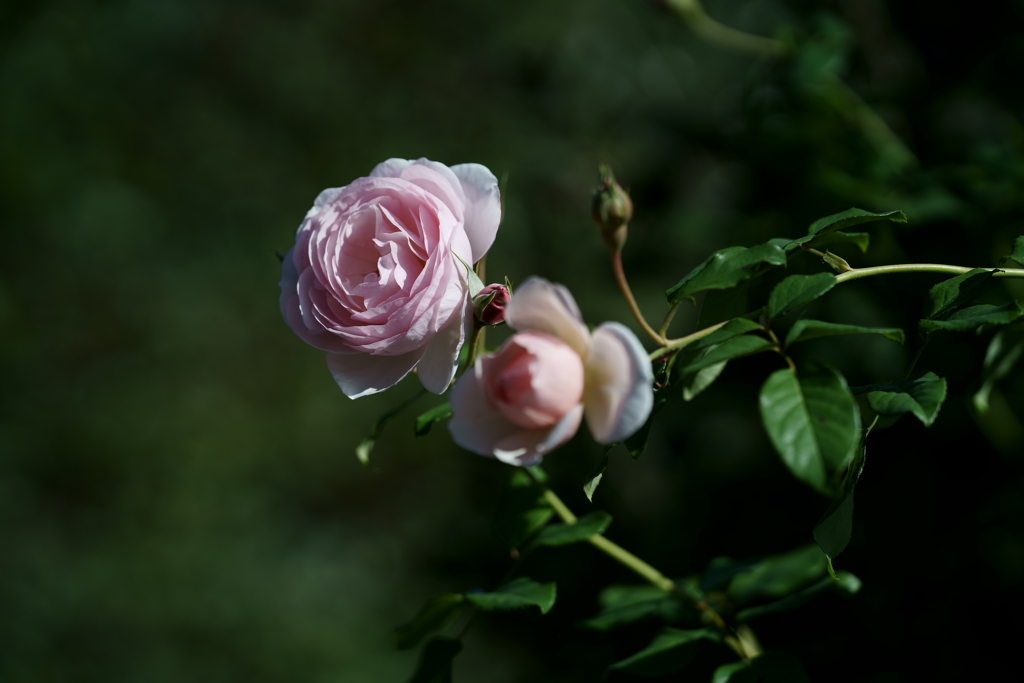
<point x="490" y="304"/>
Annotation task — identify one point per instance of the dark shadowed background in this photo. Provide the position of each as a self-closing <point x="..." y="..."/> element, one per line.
<point x="179" y="498"/>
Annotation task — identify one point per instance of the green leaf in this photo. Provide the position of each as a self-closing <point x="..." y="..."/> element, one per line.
<point x="861" y="240"/>
<point x="521" y="592"/>
<point x="366" y="445"/>
<point x="522" y="510"/>
<point x="777" y="576"/>
<point x="967" y="319"/>
<point x="425" y="421"/>
<point x="473" y="281"/>
<point x="812" y="420"/>
<point x="776" y="666"/>
<point x="584" y="527"/>
<point x="737" y="347"/>
<point x="697" y="382"/>
<point x="669" y="652"/>
<point x="1018" y="252"/>
<point x="627" y="604"/>
<point x="1003" y="352"/>
<point x="637" y="443"/>
<point x="434" y="614"/>
<point x="923" y="397"/>
<point x="851" y="217"/>
<point x="736" y="672"/>
<point x="590" y="485"/>
<point x="957" y="291"/>
<point x="733" y="328"/>
<point x="721" y="305"/>
<point x="833" y="530"/>
<point x="724" y="269"/>
<point x="435" y="665"/>
<point x="797" y="290"/>
<point x="844" y="582"/>
<point x="804" y="330"/>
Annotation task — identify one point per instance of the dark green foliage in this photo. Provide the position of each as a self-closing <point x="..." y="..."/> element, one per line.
<point x="637" y="443"/>
<point x="804" y="330"/>
<point x="724" y="269"/>
<point x="585" y="527"/>
<point x="973" y="317"/>
<point x="435" y="613"/>
<point x="521" y="511"/>
<point x="833" y="530"/>
<point x="733" y="328"/>
<point x="777" y="576"/>
<point x="669" y="652"/>
<point x="425" y="421"/>
<point x="843" y="582"/>
<point x="923" y="397"/>
<point x="519" y="593"/>
<point x="851" y="217"/>
<point x="1017" y="254"/>
<point x="621" y="605"/>
<point x="797" y="290"/>
<point x="812" y="420"/>
<point x="737" y="347"/>
<point x="435" y="664"/>
<point x="1002" y="355"/>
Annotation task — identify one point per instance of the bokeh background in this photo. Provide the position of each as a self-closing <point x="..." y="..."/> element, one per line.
<point x="179" y="498"/>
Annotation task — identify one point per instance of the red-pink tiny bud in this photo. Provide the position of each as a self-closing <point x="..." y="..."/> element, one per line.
<point x="490" y="304"/>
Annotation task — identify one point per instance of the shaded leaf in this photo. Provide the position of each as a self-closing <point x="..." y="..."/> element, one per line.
<point x="1003" y="352"/>
<point x="697" y="382"/>
<point x="733" y="328"/>
<point x="670" y="651"/>
<point x="797" y="290"/>
<point x="435" y="614"/>
<point x="777" y="576"/>
<point x="584" y="527"/>
<point x="923" y="397"/>
<point x="626" y="604"/>
<point x="1018" y="252"/>
<point x="860" y="239"/>
<point x="776" y="666"/>
<point x="812" y="420"/>
<point x="637" y="443"/>
<point x="832" y="532"/>
<point x="724" y="269"/>
<point x="721" y="570"/>
<point x="425" y="421"/>
<point x="736" y="672"/>
<point x="435" y="665"/>
<point x="737" y="347"/>
<point x="366" y="445"/>
<point x="804" y="330"/>
<point x="845" y="582"/>
<point x="851" y="217"/>
<point x="522" y="510"/>
<point x="967" y="319"/>
<point x="957" y="291"/>
<point x="521" y="592"/>
<point x="721" y="305"/>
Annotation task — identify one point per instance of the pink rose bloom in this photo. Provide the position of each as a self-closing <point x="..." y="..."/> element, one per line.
<point x="529" y="397"/>
<point x="373" y="279"/>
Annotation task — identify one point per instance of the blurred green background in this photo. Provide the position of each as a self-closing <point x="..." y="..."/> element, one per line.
<point x="179" y="499"/>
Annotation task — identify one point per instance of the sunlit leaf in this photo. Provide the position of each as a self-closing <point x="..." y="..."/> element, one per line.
<point x="584" y="527"/>
<point x="797" y="290"/>
<point x="590" y="485"/>
<point x="804" y="330"/>
<point x="1018" y="252"/>
<point x="851" y="217"/>
<point x="425" y="421"/>
<point x="521" y="592"/>
<point x="435" y="614"/>
<point x="435" y="665"/>
<point x="724" y="269"/>
<point x="669" y="652"/>
<point x="812" y="420"/>
<point x="923" y="397"/>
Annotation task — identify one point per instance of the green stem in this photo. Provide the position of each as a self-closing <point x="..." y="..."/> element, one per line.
<point x="668" y="319"/>
<point x="710" y="30"/>
<point x="858" y="273"/>
<point x="627" y="294"/>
